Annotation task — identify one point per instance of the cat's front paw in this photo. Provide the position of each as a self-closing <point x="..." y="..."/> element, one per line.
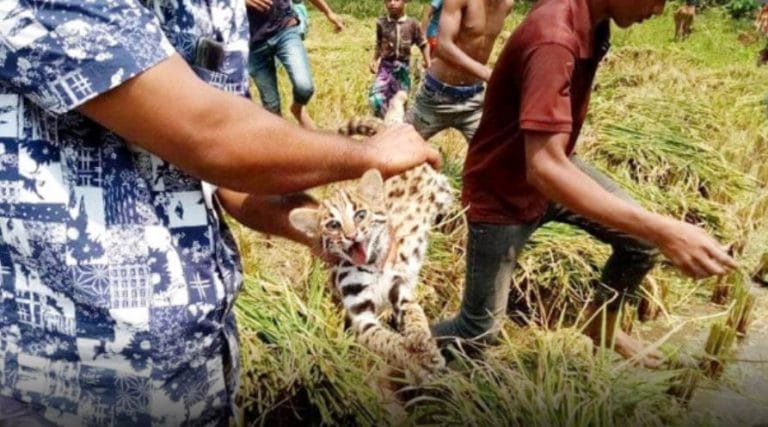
<point x="419" y="341"/>
<point x="425" y="358"/>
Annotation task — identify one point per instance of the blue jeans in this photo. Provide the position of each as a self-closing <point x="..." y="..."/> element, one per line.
<point x="287" y="47"/>
<point x="439" y="106"/>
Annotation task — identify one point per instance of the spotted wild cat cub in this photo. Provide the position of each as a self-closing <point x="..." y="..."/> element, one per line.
<point x="378" y="234"/>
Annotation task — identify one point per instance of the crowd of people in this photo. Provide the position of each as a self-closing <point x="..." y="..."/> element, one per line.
<point x="126" y="131"/>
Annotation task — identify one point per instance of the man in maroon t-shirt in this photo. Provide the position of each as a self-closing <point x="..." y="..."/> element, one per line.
<point x="520" y="173"/>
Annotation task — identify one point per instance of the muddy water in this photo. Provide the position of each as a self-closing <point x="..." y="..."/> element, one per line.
<point x="740" y="398"/>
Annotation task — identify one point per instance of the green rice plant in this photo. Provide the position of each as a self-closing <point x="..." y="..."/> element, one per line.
<point x="555" y="380"/>
<point x="298" y="362"/>
<point x="741" y="313"/>
<point x="718" y="347"/>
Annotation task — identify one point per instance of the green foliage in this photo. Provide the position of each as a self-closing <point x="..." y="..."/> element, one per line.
<point x="740" y="9"/>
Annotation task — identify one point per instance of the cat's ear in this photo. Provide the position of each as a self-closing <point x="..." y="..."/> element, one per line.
<point x="306" y="220"/>
<point x="371" y="186"/>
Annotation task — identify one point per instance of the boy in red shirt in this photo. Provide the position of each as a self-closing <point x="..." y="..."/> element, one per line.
<point x="520" y="173"/>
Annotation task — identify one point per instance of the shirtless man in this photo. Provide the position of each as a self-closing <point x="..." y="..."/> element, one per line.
<point x="452" y="93"/>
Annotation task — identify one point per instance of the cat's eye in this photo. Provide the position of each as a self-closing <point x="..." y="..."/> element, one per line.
<point x="333" y="225"/>
<point x="360" y="215"/>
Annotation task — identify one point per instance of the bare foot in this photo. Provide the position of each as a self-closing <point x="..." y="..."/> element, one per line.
<point x="629" y="347"/>
<point x="302" y="116"/>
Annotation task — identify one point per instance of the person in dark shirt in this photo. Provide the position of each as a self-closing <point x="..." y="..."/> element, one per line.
<point x="277" y="33"/>
<point x="521" y="173"/>
<point x="395" y="34"/>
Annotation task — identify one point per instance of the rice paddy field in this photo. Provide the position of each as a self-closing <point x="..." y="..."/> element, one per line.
<point x="683" y="126"/>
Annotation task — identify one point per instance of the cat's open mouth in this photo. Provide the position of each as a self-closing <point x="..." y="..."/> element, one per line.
<point x="357" y="253"/>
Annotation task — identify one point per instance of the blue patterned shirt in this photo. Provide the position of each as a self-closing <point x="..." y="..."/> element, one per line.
<point x="117" y="277"/>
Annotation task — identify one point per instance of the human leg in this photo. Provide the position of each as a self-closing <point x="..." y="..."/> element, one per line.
<point x="424" y="114"/>
<point x="439" y="106"/>
<point x="469" y="118"/>
<point x="492" y="252"/>
<point x="261" y="67"/>
<point x="631" y="260"/>
<point x="292" y="54"/>
<point x="381" y="90"/>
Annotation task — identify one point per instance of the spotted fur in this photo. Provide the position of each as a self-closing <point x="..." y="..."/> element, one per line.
<point x="378" y="232"/>
<point x="369" y="126"/>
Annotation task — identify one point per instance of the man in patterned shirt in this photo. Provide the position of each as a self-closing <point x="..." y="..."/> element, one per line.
<point x="117" y="276"/>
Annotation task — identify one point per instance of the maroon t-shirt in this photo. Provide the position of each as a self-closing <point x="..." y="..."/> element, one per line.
<point x="541" y="82"/>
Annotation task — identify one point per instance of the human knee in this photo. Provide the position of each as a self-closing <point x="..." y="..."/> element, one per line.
<point x="269" y="95"/>
<point x="273" y="106"/>
<point x="303" y="91"/>
<point x="637" y="251"/>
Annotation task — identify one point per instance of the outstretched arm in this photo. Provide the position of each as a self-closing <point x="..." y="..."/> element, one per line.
<point x="425" y="54"/>
<point x="374" y="65"/>
<point x="260" y="5"/>
<point x="447" y="50"/>
<point x="231" y="142"/>
<point x="551" y="172"/>
<point x="420" y="40"/>
<point x="336" y="20"/>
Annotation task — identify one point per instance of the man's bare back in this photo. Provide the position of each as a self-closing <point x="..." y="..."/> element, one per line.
<point x="468" y="30"/>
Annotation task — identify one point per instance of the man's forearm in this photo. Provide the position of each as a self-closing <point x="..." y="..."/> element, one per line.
<point x="567" y="185"/>
<point x="425" y="54"/>
<point x="322" y="6"/>
<point x="221" y="138"/>
<point x="553" y="173"/>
